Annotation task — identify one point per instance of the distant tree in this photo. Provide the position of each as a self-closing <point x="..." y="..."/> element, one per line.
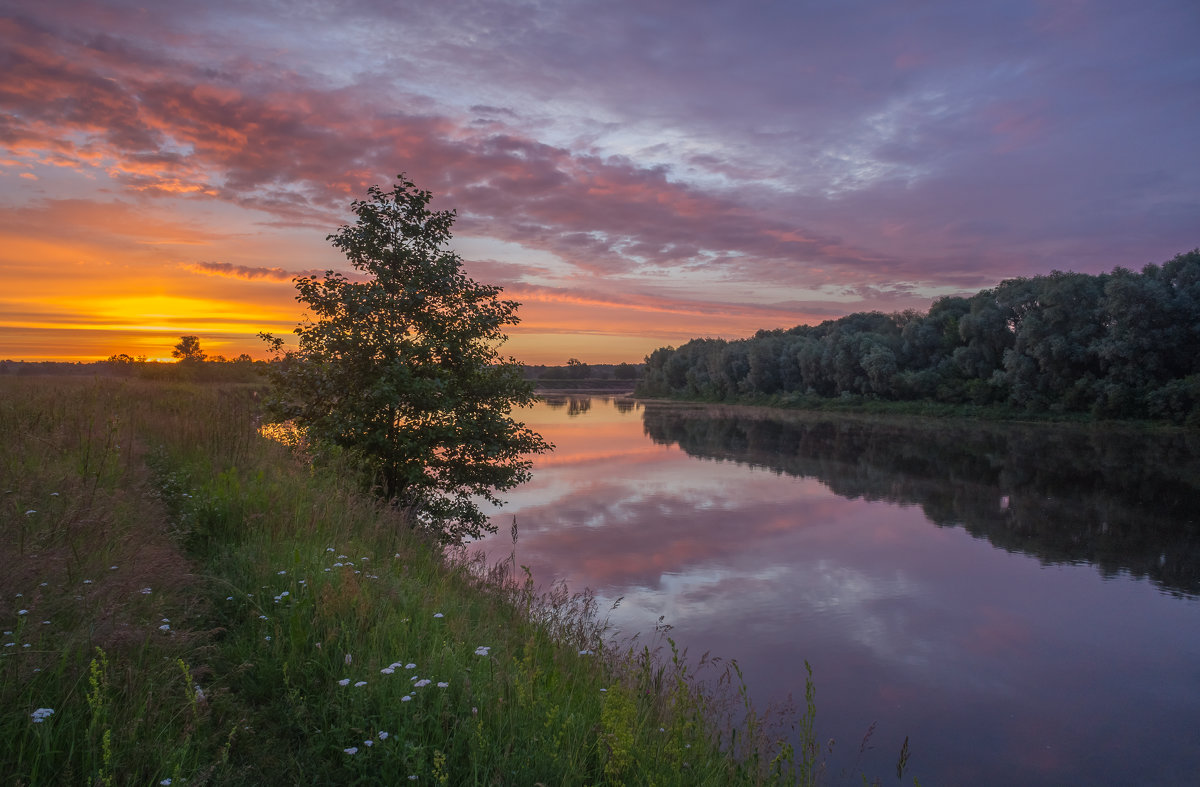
<point x="577" y="369"/>
<point x="121" y="364"/>
<point x="402" y="370"/>
<point x="626" y="371"/>
<point x="188" y="350"/>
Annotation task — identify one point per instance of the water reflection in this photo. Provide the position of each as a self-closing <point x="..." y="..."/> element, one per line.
<point x="867" y="549"/>
<point x="575" y="405"/>
<point x="1121" y="500"/>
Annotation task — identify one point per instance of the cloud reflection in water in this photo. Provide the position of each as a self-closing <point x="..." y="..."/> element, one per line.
<point x="932" y="631"/>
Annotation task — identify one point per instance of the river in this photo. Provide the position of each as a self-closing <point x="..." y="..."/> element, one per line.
<point x="1021" y="602"/>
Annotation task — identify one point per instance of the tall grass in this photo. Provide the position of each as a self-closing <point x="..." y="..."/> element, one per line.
<point x="188" y="602"/>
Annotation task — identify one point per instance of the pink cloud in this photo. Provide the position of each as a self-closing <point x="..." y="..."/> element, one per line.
<point x="300" y="152"/>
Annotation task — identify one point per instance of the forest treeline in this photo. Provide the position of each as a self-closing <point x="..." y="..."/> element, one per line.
<point x="1115" y="345"/>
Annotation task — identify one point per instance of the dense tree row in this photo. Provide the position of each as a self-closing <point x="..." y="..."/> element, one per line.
<point x="576" y="369"/>
<point x="1120" y="344"/>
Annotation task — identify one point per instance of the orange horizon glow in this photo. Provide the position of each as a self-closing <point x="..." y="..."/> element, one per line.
<point x="90" y="301"/>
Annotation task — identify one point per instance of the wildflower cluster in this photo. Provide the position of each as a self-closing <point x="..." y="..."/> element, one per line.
<point x="417" y="682"/>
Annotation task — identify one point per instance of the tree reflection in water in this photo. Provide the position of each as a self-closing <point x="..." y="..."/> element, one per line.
<point x="1124" y="501"/>
<point x="782" y="537"/>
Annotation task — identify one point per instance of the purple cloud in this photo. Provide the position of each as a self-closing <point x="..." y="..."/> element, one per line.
<point x="875" y="155"/>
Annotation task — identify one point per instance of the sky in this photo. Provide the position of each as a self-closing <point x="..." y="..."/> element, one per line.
<point x="635" y="174"/>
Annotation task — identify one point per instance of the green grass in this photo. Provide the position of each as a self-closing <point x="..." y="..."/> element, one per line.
<point x="197" y="603"/>
<point x="874" y="407"/>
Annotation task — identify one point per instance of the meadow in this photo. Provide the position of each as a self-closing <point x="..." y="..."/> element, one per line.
<point x="188" y="602"/>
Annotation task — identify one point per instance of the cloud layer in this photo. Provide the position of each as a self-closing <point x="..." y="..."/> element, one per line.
<point x="684" y="168"/>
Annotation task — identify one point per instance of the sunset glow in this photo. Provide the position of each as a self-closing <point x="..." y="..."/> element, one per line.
<point x="635" y="176"/>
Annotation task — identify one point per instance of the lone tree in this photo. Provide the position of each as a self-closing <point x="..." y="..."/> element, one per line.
<point x="403" y="370"/>
<point x="188" y="350"/>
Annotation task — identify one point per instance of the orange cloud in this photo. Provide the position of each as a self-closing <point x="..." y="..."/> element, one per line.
<point x="247" y="271"/>
<point x="255" y="171"/>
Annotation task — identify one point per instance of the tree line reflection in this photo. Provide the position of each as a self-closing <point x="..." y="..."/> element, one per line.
<point x="1122" y="501"/>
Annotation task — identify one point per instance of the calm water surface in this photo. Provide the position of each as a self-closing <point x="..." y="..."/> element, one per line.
<point x="1022" y="602"/>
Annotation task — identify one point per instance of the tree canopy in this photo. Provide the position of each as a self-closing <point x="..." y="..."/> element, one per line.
<point x="400" y="367"/>
<point x="1119" y="344"/>
<point x="188" y="350"/>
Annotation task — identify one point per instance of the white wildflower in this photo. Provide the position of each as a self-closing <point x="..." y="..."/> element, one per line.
<point x="406" y="698"/>
<point x="360" y="684"/>
<point x="387" y="671"/>
<point x="383" y="736"/>
<point x="41" y="714"/>
<point x="410" y="666"/>
<point x="22" y="612"/>
<point x="146" y="591"/>
<point x="438" y="615"/>
<point x="422" y="683"/>
<point x="442" y="684"/>
<point x="351" y="750"/>
<point x="482" y="650"/>
<point x="344" y="682"/>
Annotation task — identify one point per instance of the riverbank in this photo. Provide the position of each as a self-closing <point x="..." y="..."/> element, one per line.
<point x="191" y="603"/>
<point x="871" y="407"/>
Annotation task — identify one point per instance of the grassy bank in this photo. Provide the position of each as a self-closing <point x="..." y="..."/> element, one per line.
<point x="187" y="602"/>
<point x="868" y="406"/>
